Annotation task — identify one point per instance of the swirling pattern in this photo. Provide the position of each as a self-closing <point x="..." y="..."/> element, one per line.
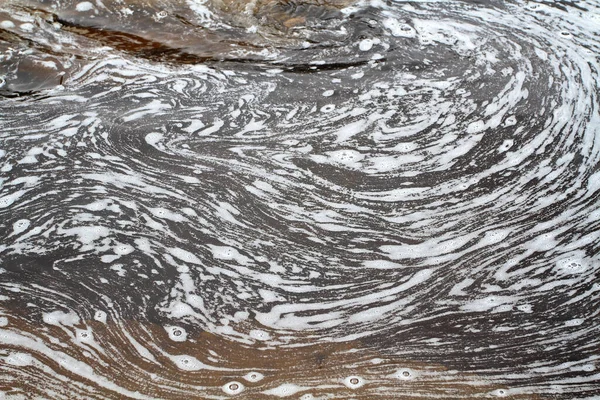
<point x="365" y="200"/>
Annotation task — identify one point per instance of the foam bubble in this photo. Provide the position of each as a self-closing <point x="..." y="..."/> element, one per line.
<point x="7" y="24"/>
<point x="405" y="374"/>
<point x="100" y="316"/>
<point x="27" y="27"/>
<point x="20" y="226"/>
<point x="259" y="334"/>
<point x="84" y="6"/>
<point x="234" y="387"/>
<point x="19" y="359"/>
<point x="346" y="156"/>
<point x="60" y="318"/>
<point x="328" y="93"/>
<point x="153" y="138"/>
<point x="187" y="363"/>
<point x="84" y="335"/>
<point x="253" y="376"/>
<point x="571" y="265"/>
<point x="354" y="382"/>
<point x="365" y="45"/>
<point x="575" y="322"/>
<point x="327" y="108"/>
<point x="176" y="333"/>
<point x="399" y="29"/>
<point x="284" y="390"/>
<point x="123" y="249"/>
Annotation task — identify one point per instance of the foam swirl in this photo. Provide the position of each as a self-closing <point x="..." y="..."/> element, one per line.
<point x="408" y="190"/>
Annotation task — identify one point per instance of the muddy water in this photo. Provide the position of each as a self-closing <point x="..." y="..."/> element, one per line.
<point x="309" y="200"/>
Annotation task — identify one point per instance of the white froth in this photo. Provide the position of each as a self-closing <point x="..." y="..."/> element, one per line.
<point x="284" y="390"/>
<point x="21" y="226"/>
<point x="7" y="24"/>
<point x="100" y="316"/>
<point x="61" y="318"/>
<point x="19" y="359"/>
<point x="84" y="6"/>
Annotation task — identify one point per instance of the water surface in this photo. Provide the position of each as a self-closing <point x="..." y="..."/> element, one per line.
<point x="313" y="200"/>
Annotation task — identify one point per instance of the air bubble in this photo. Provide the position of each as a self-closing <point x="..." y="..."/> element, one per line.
<point x="354" y="382"/>
<point x="328" y="93"/>
<point x="233" y="388"/>
<point x="510" y="121"/>
<point x="84" y="335"/>
<point x="176" y="333"/>
<point x="571" y="265"/>
<point x="405" y="374"/>
<point x="124" y="249"/>
<point x="574" y="322"/>
<point x="253" y="376"/>
<point x="187" y="363"/>
<point x="500" y="393"/>
<point x="327" y="108"/>
<point x="100" y="316"/>
<point x="161" y="14"/>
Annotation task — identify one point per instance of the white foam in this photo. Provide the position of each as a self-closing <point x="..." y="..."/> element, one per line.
<point x="19" y="359"/>
<point x="285" y="390"/>
<point x="21" y="226"/>
<point x="100" y="316"/>
<point x="365" y="44"/>
<point x="60" y="318"/>
<point x="86" y="234"/>
<point x="7" y="24"/>
<point x="84" y="6"/>
<point x="27" y="27"/>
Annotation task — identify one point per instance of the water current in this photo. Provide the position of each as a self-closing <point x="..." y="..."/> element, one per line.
<point x="299" y="199"/>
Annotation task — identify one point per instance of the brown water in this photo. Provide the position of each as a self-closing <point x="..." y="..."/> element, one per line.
<point x="309" y="200"/>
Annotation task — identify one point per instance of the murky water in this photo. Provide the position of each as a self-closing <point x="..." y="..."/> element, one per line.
<point x="370" y="200"/>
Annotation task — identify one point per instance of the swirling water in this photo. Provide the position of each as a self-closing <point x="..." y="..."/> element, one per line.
<point x="308" y="199"/>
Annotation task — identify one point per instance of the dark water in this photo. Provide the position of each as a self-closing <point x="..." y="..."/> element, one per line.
<point x="313" y="200"/>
